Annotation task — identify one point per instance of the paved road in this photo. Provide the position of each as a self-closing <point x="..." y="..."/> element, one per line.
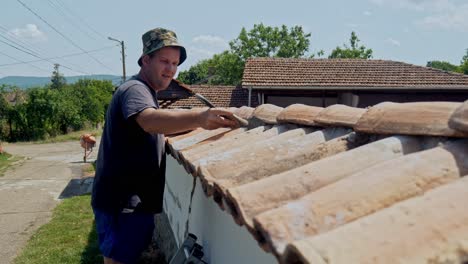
<point x="31" y="189"/>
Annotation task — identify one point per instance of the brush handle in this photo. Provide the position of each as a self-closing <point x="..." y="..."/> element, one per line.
<point x="241" y="120"/>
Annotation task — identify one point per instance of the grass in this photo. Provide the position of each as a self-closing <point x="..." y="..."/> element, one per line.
<point x="89" y="169"/>
<point x="5" y="161"/>
<point x="70" y="237"/>
<point x="72" y="136"/>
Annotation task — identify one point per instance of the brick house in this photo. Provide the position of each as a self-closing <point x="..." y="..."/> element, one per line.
<point x="353" y="82"/>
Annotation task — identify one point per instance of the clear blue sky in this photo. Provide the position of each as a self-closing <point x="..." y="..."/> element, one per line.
<point x="412" y="31"/>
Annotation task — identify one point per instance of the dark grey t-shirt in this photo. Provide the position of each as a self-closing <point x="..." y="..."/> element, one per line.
<point x="130" y="161"/>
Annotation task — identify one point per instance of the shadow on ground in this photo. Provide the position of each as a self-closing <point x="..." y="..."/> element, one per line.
<point x="92" y="255"/>
<point x="76" y="187"/>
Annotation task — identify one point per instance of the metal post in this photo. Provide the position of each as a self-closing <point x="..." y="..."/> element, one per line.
<point x="122" y="44"/>
<point x="124" y="77"/>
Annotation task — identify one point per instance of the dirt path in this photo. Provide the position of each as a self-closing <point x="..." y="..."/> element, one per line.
<point x="31" y="189"/>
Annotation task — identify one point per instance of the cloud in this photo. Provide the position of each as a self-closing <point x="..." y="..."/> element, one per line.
<point x="201" y="53"/>
<point x="437" y="14"/>
<point x="30" y="32"/>
<point x="452" y="20"/>
<point x="205" y="46"/>
<point x="417" y="5"/>
<point x="352" y="25"/>
<point x="211" y="41"/>
<point x="394" y="42"/>
<point x="367" y="13"/>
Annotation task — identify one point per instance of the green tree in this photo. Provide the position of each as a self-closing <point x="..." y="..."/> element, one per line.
<point x="443" y="65"/>
<point x="197" y="73"/>
<point x="42" y="112"/>
<point x="222" y="69"/>
<point x="353" y="52"/>
<point x="4" y="112"/>
<point x="464" y="63"/>
<point x="94" y="97"/>
<point x="262" y="41"/>
<point x="225" y="69"/>
<point x="57" y="80"/>
<point x="266" y="41"/>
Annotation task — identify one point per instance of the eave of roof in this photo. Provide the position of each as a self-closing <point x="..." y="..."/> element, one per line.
<point x="305" y="180"/>
<point x="354" y="88"/>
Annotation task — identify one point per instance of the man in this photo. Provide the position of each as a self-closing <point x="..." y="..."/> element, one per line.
<point x="130" y="174"/>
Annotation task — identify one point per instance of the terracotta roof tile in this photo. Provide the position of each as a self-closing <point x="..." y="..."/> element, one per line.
<point x="346" y="73"/>
<point x="431" y="228"/>
<point x="336" y="195"/>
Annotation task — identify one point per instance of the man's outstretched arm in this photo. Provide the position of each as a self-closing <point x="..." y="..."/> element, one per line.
<point x="164" y="121"/>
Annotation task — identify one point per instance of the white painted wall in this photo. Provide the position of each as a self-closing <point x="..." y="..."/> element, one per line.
<point x="222" y="239"/>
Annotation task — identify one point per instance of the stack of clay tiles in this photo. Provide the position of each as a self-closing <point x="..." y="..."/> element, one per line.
<point x="340" y="184"/>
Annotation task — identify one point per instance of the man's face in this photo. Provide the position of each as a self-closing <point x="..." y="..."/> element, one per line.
<point x="161" y="68"/>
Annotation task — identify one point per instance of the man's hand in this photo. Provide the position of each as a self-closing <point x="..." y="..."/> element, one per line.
<point x="214" y="118"/>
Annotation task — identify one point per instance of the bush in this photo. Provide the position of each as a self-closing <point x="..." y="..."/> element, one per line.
<point x="47" y="112"/>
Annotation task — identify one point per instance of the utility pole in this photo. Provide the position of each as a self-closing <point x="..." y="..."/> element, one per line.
<point x="122" y="44"/>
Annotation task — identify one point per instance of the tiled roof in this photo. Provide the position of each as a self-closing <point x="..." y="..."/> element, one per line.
<point x="341" y="184"/>
<point x="220" y="96"/>
<point x="346" y="73"/>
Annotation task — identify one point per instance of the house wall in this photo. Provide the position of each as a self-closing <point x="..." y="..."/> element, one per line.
<point x="188" y="210"/>
<point x="358" y="98"/>
<point x="285" y="101"/>
<point x="373" y="98"/>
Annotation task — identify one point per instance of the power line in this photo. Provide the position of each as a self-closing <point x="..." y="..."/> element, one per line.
<point x="16" y="40"/>
<point x="37" y="52"/>
<point x="58" y="57"/>
<point x="79" y="18"/>
<point x="63" y="36"/>
<point x="27" y="52"/>
<point x="58" y="8"/>
<point x="4" y="54"/>
<point x="18" y="44"/>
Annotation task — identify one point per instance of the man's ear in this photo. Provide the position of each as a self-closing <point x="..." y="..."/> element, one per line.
<point x="146" y="59"/>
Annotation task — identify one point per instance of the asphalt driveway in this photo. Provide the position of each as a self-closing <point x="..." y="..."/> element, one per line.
<point x="31" y="189"/>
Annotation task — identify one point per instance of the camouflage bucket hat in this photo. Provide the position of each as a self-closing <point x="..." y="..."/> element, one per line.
<point x="158" y="38"/>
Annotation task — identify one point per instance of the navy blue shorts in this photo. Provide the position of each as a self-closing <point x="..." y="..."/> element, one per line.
<point x="123" y="236"/>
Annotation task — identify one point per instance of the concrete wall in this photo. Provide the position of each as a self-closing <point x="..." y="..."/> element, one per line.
<point x="359" y="98"/>
<point x="189" y="210"/>
<point x="372" y="98"/>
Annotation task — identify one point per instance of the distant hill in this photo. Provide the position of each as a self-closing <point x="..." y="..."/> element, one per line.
<point x="25" y="82"/>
